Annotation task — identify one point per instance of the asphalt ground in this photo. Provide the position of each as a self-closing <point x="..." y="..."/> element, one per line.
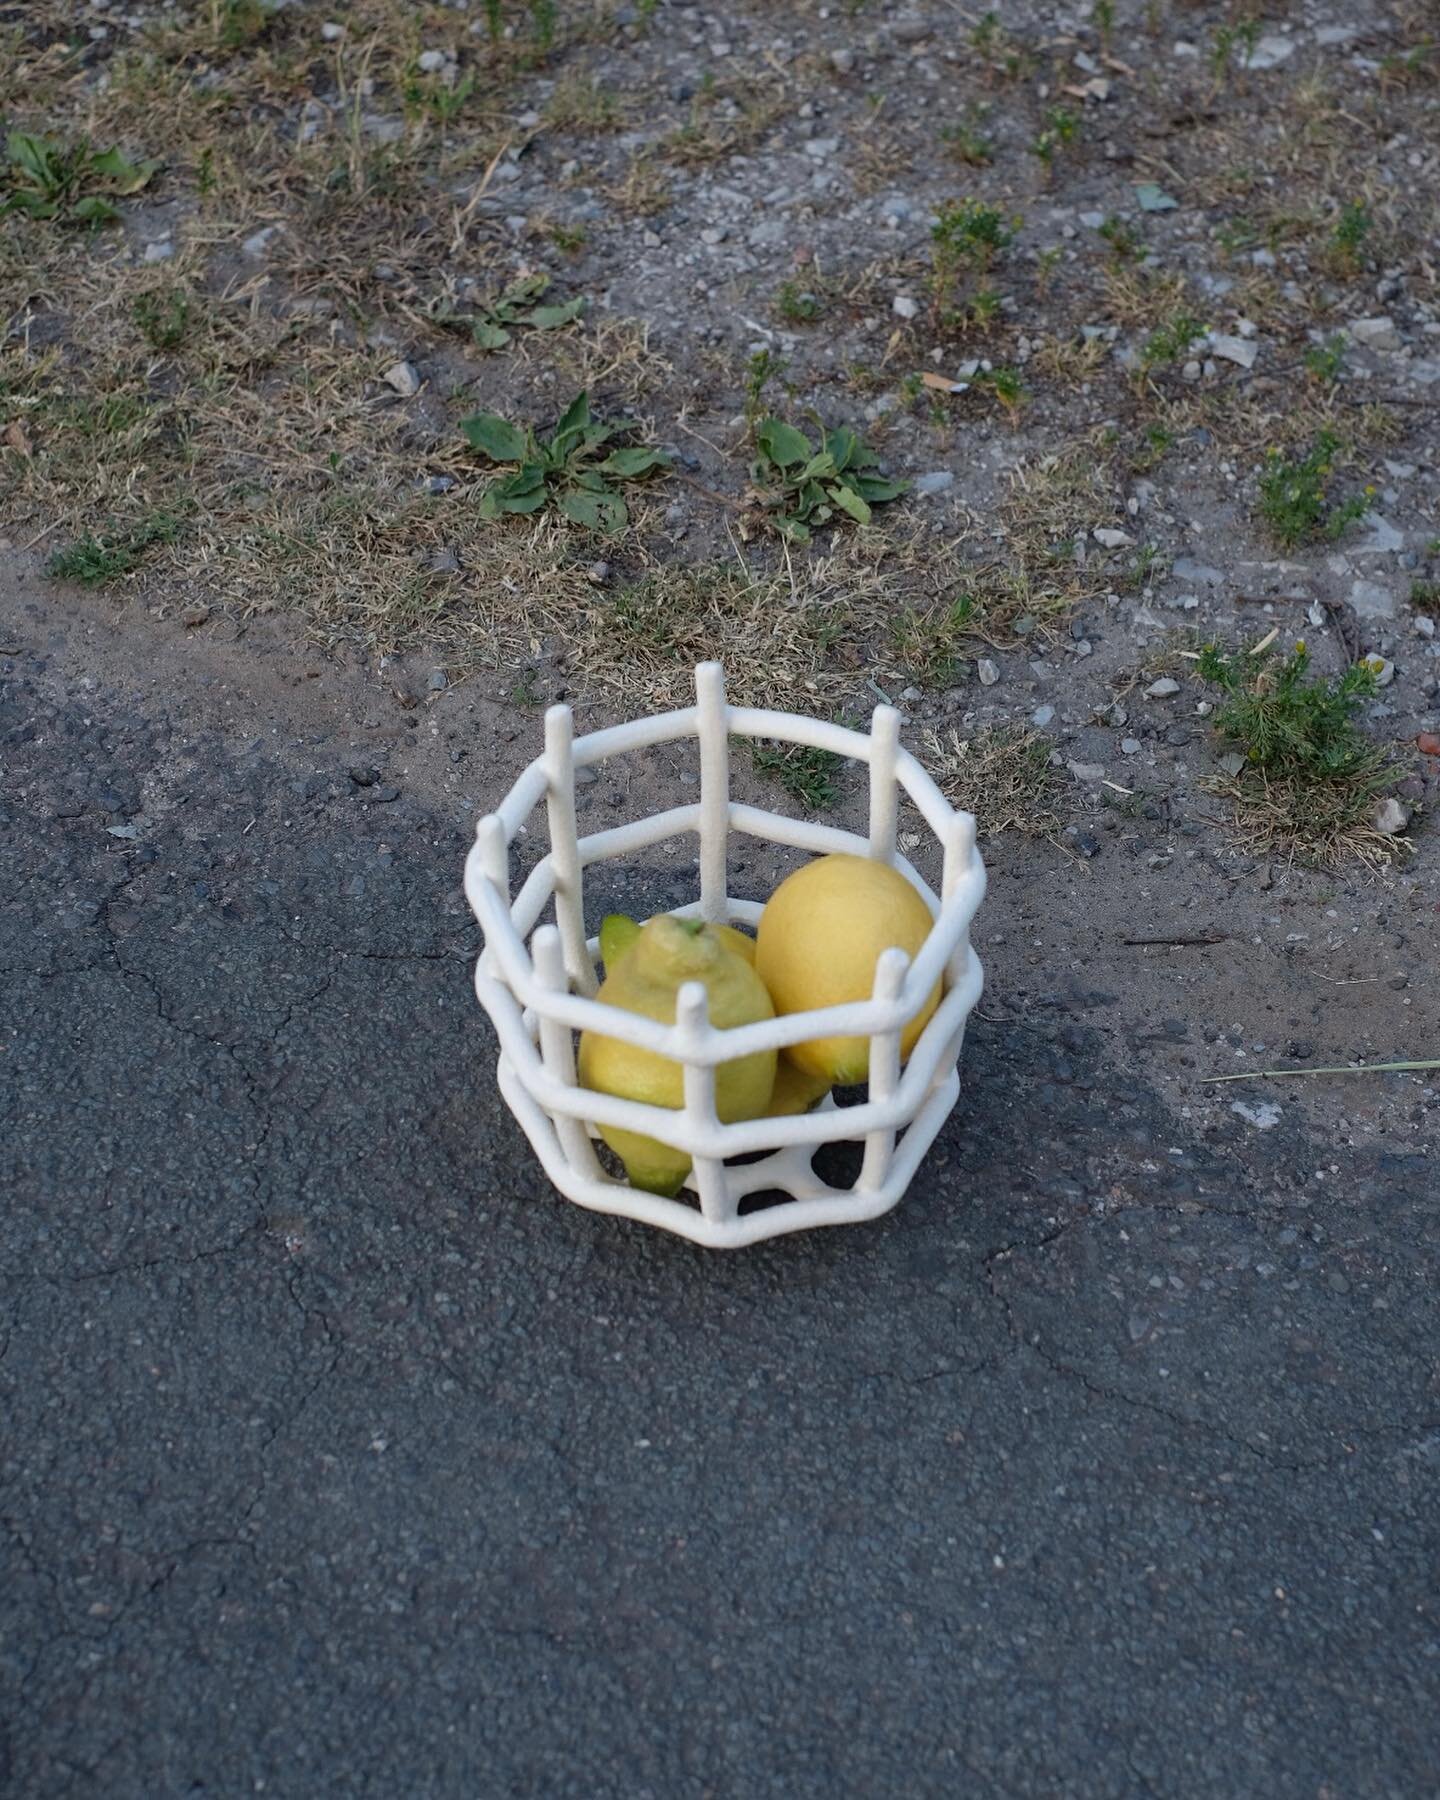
<point x="339" y="1456"/>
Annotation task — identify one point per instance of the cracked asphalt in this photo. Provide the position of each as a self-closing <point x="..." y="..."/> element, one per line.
<point x="338" y="1456"/>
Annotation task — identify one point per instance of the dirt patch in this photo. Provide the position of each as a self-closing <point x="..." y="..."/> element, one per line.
<point x="1094" y="289"/>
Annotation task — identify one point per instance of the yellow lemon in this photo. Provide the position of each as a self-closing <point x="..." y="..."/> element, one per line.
<point x="821" y="934"/>
<point x="645" y="976"/>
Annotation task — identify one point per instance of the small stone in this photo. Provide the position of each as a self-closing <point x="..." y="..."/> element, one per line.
<point x="1196" y="574"/>
<point x="987" y="671"/>
<point x="1264" y="1115"/>
<point x="714" y="234"/>
<point x="1375" y="334"/>
<point x="842" y="61"/>
<point x="364" y="778"/>
<point x="598" y="572"/>
<point x="910" y="31"/>
<point x="935" y="482"/>
<point x="444" y="561"/>
<point x="430" y="62"/>
<point x="904" y="307"/>
<point x="1153" y="198"/>
<point x="1383" y="539"/>
<point x="438" y="681"/>
<point x="1130" y="746"/>
<point x="382" y="796"/>
<point x="1372" y="600"/>
<point x="911" y="694"/>
<point x="819" y="149"/>
<point x="1086" y="771"/>
<point x="257" y="244"/>
<point x="1270" y="50"/>
<point x="1112" y="538"/>
<point x="1162" y="689"/>
<point x="1232" y="762"/>
<point x="1389" y="816"/>
<point x="1428" y="743"/>
<point x="1043" y="715"/>
<point x="161" y="252"/>
<point x="403" y="378"/>
<point x="196" y="613"/>
<point x="332" y="31"/>
<point x="1380" y="667"/>
<point x="1235" y="349"/>
<point x="439" y="484"/>
<point x="1191" y="371"/>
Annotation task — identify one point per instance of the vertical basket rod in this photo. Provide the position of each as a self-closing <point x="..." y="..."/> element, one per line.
<point x="564" y="845"/>
<point x="884" y="795"/>
<point x="557" y="1050"/>
<point x="692" y="1012"/>
<point x="712" y="717"/>
<point x="890" y="967"/>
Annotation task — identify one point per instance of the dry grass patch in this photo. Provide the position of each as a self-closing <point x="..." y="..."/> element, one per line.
<point x="1143" y="297"/>
<point x="776" y="629"/>
<point x="1320" y="824"/>
<point x="1003" y="775"/>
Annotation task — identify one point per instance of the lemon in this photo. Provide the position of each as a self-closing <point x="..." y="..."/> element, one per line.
<point x="645" y="976"/>
<point x="734" y="939"/>
<point x="618" y="932"/>
<point x="821" y="934"/>
<point x="796" y="1090"/>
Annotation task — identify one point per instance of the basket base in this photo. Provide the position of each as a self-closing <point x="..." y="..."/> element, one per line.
<point x="790" y="1171"/>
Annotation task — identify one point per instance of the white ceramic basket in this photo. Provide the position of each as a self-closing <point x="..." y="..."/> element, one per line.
<point x="538" y="980"/>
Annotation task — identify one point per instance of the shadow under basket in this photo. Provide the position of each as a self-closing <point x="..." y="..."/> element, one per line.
<point x="537" y="980"/>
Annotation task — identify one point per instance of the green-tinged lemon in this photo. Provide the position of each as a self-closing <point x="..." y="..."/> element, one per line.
<point x="645" y="976"/>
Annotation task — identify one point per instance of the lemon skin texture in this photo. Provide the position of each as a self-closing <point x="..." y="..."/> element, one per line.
<point x="820" y="937"/>
<point x="647" y="978"/>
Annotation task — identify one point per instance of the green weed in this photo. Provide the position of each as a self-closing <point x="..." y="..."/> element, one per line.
<point x="966" y="237"/>
<point x="1294" y="501"/>
<point x="809" y="776"/>
<point x="1323" y="361"/>
<point x="797" y="305"/>
<point x="71" y="183"/>
<point x="572" y="471"/>
<point x="1351" y="231"/>
<point x="1311" y="776"/>
<point x="93" y="559"/>
<point x="163" y="317"/>
<point x="1169" y="342"/>
<point x="1060" y="130"/>
<point x="800" y="484"/>
<point x="517" y="305"/>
